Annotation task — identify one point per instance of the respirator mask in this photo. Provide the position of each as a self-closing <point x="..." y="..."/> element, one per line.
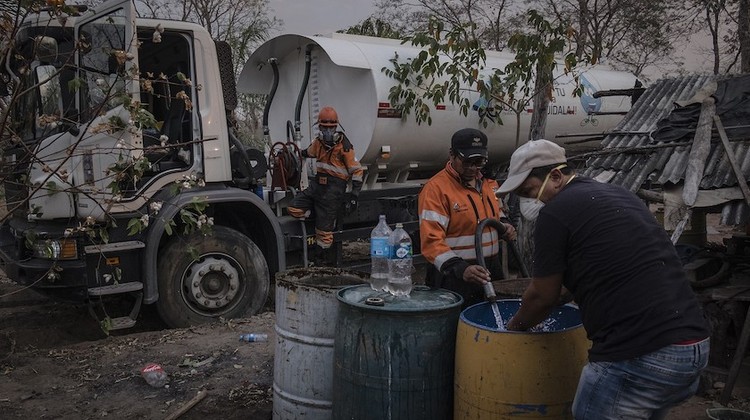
<point x="328" y="135"/>
<point x="530" y="207"/>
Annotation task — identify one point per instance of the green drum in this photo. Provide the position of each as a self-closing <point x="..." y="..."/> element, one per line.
<point x="394" y="356"/>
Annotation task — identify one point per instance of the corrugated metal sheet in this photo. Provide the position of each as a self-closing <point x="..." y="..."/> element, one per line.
<point x="634" y="159"/>
<point x="9" y="6"/>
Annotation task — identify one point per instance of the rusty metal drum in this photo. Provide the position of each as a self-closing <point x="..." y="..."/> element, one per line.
<point x="306" y="315"/>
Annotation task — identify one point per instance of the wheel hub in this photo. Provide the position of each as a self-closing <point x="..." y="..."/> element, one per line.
<point x="213" y="282"/>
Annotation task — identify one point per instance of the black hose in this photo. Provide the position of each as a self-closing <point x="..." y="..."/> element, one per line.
<point x="267" y="108"/>
<point x="303" y="88"/>
<point x="289" y="131"/>
<point x="500" y="227"/>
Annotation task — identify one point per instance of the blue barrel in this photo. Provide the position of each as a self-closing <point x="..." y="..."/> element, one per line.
<point x="394" y="356"/>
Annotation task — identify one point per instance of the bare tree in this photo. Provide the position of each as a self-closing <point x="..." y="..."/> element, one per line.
<point x="743" y="33"/>
<point x="630" y="34"/>
<point x="490" y="18"/>
<point x="722" y="21"/>
<point x="373" y="27"/>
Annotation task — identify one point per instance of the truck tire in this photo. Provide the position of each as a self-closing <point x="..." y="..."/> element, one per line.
<point x="229" y="279"/>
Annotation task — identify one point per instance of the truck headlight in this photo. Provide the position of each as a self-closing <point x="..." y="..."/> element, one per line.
<point x="56" y="249"/>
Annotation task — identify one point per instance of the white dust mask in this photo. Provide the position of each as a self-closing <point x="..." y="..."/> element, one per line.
<point x="530" y="207"/>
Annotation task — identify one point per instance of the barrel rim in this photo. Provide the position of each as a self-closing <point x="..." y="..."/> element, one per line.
<point x="458" y="303"/>
<point x="297" y="276"/>
<point x="462" y="318"/>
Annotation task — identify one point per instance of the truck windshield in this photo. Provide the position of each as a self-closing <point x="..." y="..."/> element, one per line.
<point x="102" y="61"/>
<point x="42" y="68"/>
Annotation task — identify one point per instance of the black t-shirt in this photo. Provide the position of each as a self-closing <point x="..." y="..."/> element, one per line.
<point x="621" y="267"/>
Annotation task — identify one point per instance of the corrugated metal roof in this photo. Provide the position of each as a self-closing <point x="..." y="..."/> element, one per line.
<point x="634" y="159"/>
<point x="9" y="6"/>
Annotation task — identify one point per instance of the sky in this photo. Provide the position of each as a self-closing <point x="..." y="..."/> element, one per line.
<point x="310" y="17"/>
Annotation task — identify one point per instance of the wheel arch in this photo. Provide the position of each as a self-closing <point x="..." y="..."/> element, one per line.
<point x="237" y="209"/>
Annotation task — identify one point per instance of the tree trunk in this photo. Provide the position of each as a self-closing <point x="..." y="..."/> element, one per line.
<point x="583" y="30"/>
<point x="743" y="29"/>
<point x="542" y="87"/>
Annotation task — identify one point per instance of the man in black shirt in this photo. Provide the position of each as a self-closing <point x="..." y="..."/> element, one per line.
<point x="600" y="241"/>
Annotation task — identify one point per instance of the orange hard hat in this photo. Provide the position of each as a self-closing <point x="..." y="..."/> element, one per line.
<point x="328" y="117"/>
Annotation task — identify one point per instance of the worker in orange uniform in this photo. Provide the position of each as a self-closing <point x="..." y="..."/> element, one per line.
<point x="335" y="166"/>
<point x="451" y="205"/>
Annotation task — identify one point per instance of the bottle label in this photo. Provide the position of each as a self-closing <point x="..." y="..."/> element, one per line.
<point x="379" y="247"/>
<point x="403" y="251"/>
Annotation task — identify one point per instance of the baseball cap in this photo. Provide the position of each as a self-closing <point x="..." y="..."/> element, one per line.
<point x="469" y="143"/>
<point x="533" y="154"/>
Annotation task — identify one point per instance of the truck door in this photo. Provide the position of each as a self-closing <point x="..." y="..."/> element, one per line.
<point x="110" y="137"/>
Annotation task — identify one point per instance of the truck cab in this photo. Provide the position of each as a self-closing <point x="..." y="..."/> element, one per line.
<point x="120" y="158"/>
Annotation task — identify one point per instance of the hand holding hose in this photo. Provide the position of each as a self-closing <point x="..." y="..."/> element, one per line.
<point x="510" y="232"/>
<point x="476" y="274"/>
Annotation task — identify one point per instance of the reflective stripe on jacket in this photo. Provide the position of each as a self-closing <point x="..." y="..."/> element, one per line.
<point x="336" y="162"/>
<point x="449" y="213"/>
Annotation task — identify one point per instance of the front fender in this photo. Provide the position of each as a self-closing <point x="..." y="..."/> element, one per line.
<point x="171" y="208"/>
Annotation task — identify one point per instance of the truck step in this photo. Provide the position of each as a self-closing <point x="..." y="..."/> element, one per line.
<point x="122" y="322"/>
<point x="114" y="289"/>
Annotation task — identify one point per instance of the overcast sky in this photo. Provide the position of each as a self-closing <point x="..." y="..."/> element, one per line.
<point x="309" y="17"/>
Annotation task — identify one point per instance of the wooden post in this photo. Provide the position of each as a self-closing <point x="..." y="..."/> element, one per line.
<point x="739" y="352"/>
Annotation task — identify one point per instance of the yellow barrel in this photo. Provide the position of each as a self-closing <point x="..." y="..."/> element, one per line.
<point x="508" y="374"/>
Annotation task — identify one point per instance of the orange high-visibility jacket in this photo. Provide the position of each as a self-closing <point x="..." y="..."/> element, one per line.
<point x="449" y="213"/>
<point x="336" y="162"/>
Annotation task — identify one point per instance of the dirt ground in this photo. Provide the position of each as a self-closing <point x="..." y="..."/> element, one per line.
<point x="56" y="363"/>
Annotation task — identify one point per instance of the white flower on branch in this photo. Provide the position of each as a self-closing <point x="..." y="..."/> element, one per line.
<point x="144" y="220"/>
<point x="163" y="139"/>
<point x="155" y="207"/>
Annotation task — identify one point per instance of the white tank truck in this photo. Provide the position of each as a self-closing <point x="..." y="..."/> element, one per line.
<point x="41" y="243"/>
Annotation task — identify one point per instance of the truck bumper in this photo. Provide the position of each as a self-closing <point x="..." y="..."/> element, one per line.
<point x="69" y="284"/>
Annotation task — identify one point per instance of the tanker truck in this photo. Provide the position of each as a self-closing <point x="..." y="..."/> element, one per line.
<point x="78" y="231"/>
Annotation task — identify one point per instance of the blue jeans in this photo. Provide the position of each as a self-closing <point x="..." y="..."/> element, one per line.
<point x="645" y="387"/>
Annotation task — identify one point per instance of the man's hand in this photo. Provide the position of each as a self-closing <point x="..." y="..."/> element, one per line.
<point x="350" y="206"/>
<point x="510" y="232"/>
<point x="476" y="274"/>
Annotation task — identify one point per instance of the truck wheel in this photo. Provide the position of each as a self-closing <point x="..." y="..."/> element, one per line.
<point x="229" y="279"/>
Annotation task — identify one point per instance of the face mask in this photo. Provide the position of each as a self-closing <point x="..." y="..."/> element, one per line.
<point x="530" y="207"/>
<point x="328" y="135"/>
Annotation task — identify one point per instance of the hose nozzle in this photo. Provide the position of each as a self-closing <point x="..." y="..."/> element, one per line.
<point x="489" y="292"/>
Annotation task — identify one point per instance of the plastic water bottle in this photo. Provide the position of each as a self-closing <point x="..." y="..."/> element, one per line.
<point x="379" y="254"/>
<point x="400" y="264"/>
<point x="250" y="338"/>
<point x="154" y="375"/>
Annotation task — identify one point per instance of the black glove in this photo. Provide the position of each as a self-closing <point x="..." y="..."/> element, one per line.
<point x="350" y="206"/>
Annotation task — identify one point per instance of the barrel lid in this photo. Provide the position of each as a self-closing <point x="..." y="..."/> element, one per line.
<point x="421" y="299"/>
